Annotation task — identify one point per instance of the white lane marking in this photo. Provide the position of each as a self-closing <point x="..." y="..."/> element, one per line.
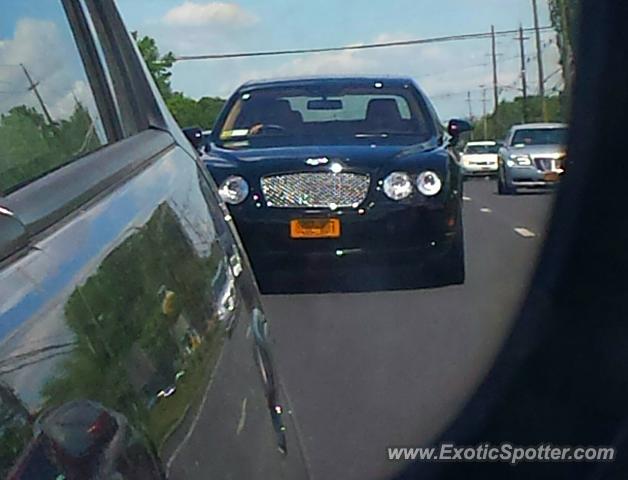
<point x="525" y="233"/>
<point x="486" y="210"/>
<point x="242" y="418"/>
<point x="466" y="199"/>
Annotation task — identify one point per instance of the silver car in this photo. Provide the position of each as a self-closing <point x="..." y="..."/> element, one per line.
<point x="533" y="156"/>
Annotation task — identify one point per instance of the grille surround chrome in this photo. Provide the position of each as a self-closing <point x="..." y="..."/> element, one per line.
<point x="548" y="164"/>
<point x="315" y="189"/>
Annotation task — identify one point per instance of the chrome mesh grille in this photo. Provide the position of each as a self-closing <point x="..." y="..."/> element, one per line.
<point x="315" y="189"/>
<point x="548" y="164"/>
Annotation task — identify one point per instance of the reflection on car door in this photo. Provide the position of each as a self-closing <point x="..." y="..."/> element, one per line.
<point x="126" y="348"/>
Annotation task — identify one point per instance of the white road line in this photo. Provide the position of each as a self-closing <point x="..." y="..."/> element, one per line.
<point x="466" y="199"/>
<point x="242" y="418"/>
<point x="486" y="210"/>
<point x="525" y="233"/>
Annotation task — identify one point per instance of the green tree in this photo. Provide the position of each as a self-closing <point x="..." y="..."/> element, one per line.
<point x="511" y="113"/>
<point x="564" y="14"/>
<point x="190" y="112"/>
<point x="211" y="107"/>
<point x="30" y="147"/>
<point x="128" y="347"/>
<point x="186" y="110"/>
<point x="160" y="66"/>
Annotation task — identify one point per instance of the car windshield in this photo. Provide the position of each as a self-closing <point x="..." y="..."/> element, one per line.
<point x="481" y="149"/>
<point x="315" y="115"/>
<point x="540" y="136"/>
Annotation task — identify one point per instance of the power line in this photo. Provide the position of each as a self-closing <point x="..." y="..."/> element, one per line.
<point x="454" y="94"/>
<point x="403" y="43"/>
<point x="555" y="72"/>
<point x="453" y="69"/>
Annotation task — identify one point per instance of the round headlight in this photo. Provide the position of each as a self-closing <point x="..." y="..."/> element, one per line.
<point x="429" y="184"/>
<point x="234" y="190"/>
<point x="398" y="186"/>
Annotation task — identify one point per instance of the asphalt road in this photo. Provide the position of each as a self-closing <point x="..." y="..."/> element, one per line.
<point x="370" y="370"/>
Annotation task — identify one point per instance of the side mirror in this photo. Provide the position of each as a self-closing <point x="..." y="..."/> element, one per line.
<point x="457" y="127"/>
<point x="195" y="136"/>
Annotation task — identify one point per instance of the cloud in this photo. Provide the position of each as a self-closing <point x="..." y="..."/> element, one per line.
<point x="192" y="14"/>
<point x="445" y="71"/>
<point x="52" y="61"/>
<point x="412" y="61"/>
<point x="333" y="63"/>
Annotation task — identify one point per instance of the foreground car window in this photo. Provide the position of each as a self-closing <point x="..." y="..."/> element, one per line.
<point x="48" y="115"/>
<point x="307" y="116"/>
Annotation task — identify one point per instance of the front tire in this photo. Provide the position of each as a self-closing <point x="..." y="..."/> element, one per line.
<point x="450" y="269"/>
<point x="502" y="186"/>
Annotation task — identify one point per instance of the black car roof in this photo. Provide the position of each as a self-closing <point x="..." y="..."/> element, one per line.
<point x="367" y="80"/>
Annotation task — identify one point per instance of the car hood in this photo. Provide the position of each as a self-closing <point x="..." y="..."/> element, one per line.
<point x="539" y="150"/>
<point x="372" y="159"/>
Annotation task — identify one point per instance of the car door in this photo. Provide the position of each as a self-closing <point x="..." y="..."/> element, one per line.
<point x="132" y="341"/>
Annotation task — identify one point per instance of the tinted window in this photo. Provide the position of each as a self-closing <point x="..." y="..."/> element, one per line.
<point x="316" y="114"/>
<point x="540" y="136"/>
<point x="481" y="149"/>
<point x="48" y="115"/>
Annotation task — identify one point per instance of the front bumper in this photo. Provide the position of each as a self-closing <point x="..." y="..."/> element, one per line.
<point x="531" y="177"/>
<point x="471" y="169"/>
<point x="384" y="234"/>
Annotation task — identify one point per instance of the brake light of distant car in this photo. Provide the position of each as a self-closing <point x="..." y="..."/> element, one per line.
<point x="520" y="161"/>
<point x="234" y="190"/>
<point x="398" y="186"/>
<point x="429" y="183"/>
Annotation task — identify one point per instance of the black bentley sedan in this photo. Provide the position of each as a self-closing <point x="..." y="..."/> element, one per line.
<point x="326" y="173"/>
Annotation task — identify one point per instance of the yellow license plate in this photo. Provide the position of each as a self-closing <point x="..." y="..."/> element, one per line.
<point x="551" y="176"/>
<point x="315" y="228"/>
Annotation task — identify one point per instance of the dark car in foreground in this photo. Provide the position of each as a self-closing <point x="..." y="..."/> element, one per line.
<point x="133" y="344"/>
<point x="326" y="173"/>
<point x="533" y="156"/>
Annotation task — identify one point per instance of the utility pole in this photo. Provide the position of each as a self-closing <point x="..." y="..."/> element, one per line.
<point x="539" y="56"/>
<point x="524" y="81"/>
<point x="484" y="117"/>
<point x="33" y="88"/>
<point x="567" y="53"/>
<point x="470" y="105"/>
<point x="495" y="82"/>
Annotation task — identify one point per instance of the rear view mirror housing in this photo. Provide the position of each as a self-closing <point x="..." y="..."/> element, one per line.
<point x="194" y="136"/>
<point x="457" y="127"/>
<point x="324" y="104"/>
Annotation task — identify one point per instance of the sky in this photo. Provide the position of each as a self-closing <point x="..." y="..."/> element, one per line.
<point x="36" y="34"/>
<point x="446" y="71"/>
